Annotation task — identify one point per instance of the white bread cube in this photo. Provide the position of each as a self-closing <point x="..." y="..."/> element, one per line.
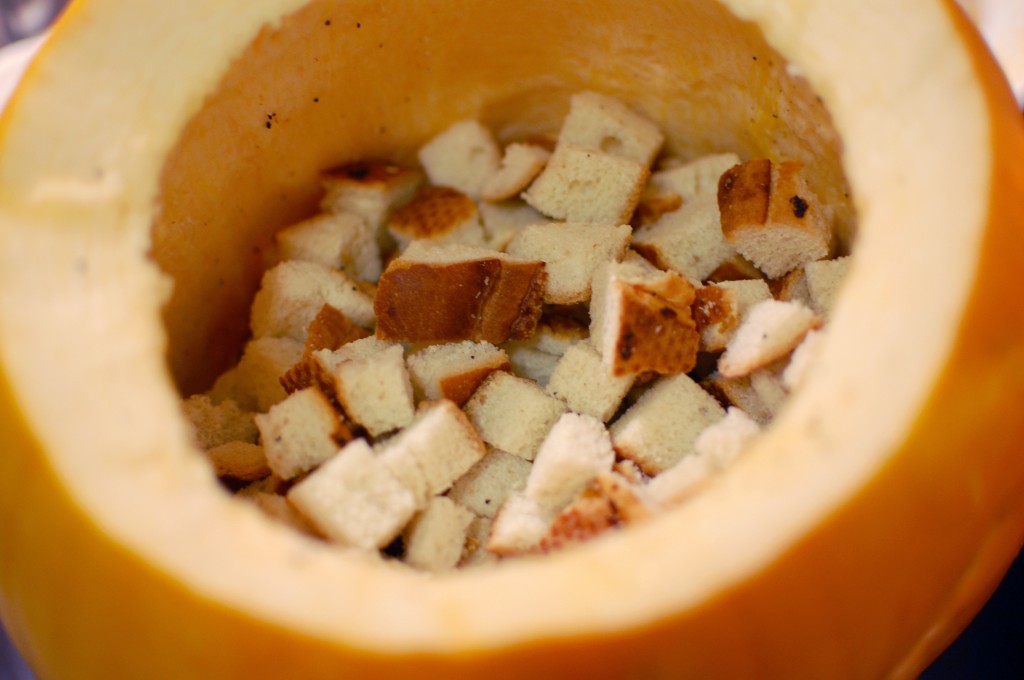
<point x="519" y="165"/>
<point x="280" y="510"/>
<point x="255" y="383"/>
<point x="498" y="297"/>
<point x="292" y="293"/>
<point x="719" y="309"/>
<point x="240" y="460"/>
<point x="536" y="357"/>
<point x="299" y="433"/>
<point x="570" y="252"/>
<point x="502" y="221"/>
<point x="519" y="527"/>
<point x="641" y="319"/>
<point x="771" y="217"/>
<point x="475" y="553"/>
<point x="760" y="395"/>
<point x="454" y="370"/>
<point x="490" y="482"/>
<point x="657" y="431"/>
<point x="436" y="537"/>
<point x="354" y="499"/>
<point x="440" y="214"/>
<point x="603" y="123"/>
<point x="824" y="278"/>
<point x="682" y="481"/>
<point x="802" y="360"/>
<point x="513" y="414"/>
<point x="531" y="363"/>
<point x="610" y="501"/>
<point x="583" y="185"/>
<point x="698" y="177"/>
<point x="463" y="157"/>
<point x="581" y="381"/>
<point x="792" y="287"/>
<point x="576" y="450"/>
<point x="375" y="390"/>
<point x="688" y="240"/>
<point x="371" y="190"/>
<point x="220" y="423"/>
<point x="435" y="450"/>
<point x="339" y="240"/>
<point x="771" y="330"/>
<point x="722" y="442"/>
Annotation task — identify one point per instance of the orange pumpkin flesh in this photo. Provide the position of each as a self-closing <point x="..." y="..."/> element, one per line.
<point x="855" y="539"/>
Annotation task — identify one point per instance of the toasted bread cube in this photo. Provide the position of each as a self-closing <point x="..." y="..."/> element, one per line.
<point x="581" y="381"/>
<point x="771" y="330"/>
<point x="657" y="431"/>
<point x="502" y="221"/>
<point x="370" y="189"/>
<point x="604" y="123"/>
<point x="770" y="216"/>
<point x="513" y="414"/>
<point x="576" y="450"/>
<point x="490" y="482"/>
<point x="375" y="390"/>
<point x="220" y="423"/>
<point x="792" y="287"/>
<point x="801" y="359"/>
<point x="570" y="252"/>
<point x="435" y="538"/>
<point x="519" y="527"/>
<point x="722" y="442"/>
<point x="824" y="278"/>
<point x="338" y="240"/>
<point x="330" y="329"/>
<point x="696" y="178"/>
<point x="519" y="165"/>
<point x="583" y="185"/>
<point x="292" y="293"/>
<point x="450" y="292"/>
<point x="255" y="383"/>
<point x="463" y="157"/>
<point x="736" y="268"/>
<point x="759" y="394"/>
<point x="299" y="433"/>
<point x="719" y="309"/>
<point x="354" y="499"/>
<point x="641" y="319"/>
<point x="453" y="371"/>
<point x="688" y="240"/>
<point x="680" y="482"/>
<point x="475" y="553"/>
<point x="437" y="448"/>
<point x="606" y="503"/>
<point x="240" y="460"/>
<point x="440" y="214"/>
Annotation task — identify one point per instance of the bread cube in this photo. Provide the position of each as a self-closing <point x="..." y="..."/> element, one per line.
<point x="570" y="252"/>
<point x="292" y="293"/>
<point x="486" y="486"/>
<point x="440" y="214"/>
<point x="354" y="499"/>
<point x="299" y="432"/>
<point x="641" y="319"/>
<point x="603" y="123"/>
<point x="338" y="240"/>
<point x="255" y="383"/>
<point x="519" y="527"/>
<point x="519" y="165"/>
<point x="688" y="240"/>
<point x="801" y="359"/>
<point x="437" y="448"/>
<point x="453" y="371"/>
<point x="375" y="390"/>
<point x="529" y="362"/>
<point x="436" y="537"/>
<point x="583" y="185"/>
<point x="463" y="157"/>
<point x="475" y="553"/>
<point x="771" y="330"/>
<point x="759" y="395"/>
<point x="240" y="460"/>
<point x="513" y="414"/>
<point x="682" y="481"/>
<point x="771" y="217"/>
<point x="695" y="178"/>
<point x="581" y="381"/>
<point x="657" y="431"/>
<point x="723" y="441"/>
<point x="575" y="451"/>
<point x="502" y="221"/>
<point x="330" y="329"/>
<point x="824" y="278"/>
<point x="719" y="309"/>
<point x="371" y="190"/>
<point x="450" y="292"/>
<point x="220" y="423"/>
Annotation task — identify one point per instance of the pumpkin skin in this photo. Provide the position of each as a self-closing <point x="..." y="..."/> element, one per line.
<point x="855" y="539"/>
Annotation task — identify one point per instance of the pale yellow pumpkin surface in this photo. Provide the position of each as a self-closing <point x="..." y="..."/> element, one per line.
<point x="139" y="178"/>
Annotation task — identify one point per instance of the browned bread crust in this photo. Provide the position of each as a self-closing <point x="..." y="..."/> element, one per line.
<point x="657" y="331"/>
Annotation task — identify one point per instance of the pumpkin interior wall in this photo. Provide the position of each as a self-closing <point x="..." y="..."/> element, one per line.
<point x="348" y="79"/>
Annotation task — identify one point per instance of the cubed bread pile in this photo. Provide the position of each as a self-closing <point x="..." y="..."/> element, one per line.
<point x="515" y="348"/>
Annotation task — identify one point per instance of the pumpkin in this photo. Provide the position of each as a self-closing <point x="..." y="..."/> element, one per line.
<point x="154" y="148"/>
